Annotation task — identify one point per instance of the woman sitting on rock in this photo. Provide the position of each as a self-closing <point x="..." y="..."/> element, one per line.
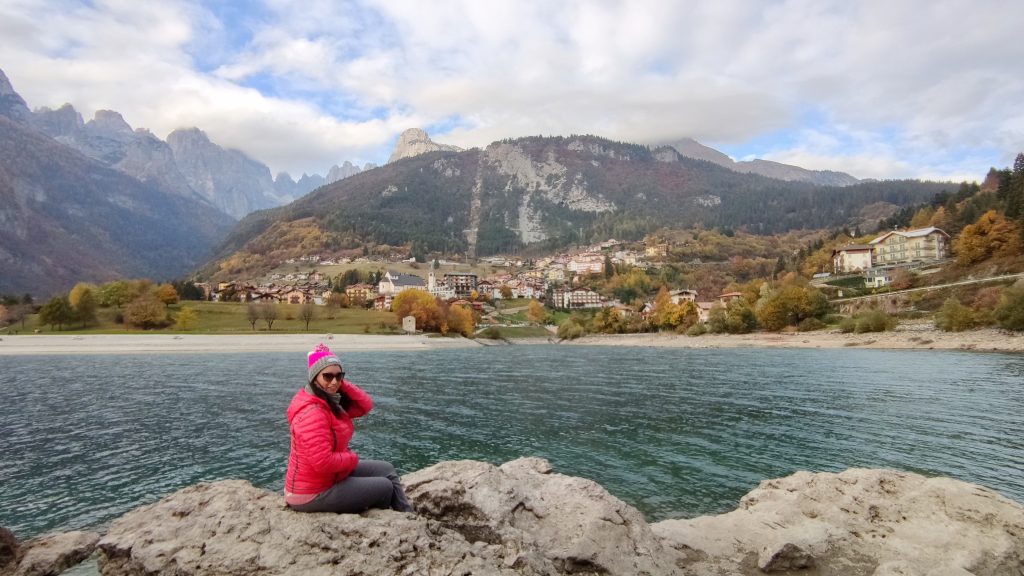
<point x="323" y="474"/>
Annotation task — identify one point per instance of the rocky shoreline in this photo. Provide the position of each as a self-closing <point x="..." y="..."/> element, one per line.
<point x="523" y="518"/>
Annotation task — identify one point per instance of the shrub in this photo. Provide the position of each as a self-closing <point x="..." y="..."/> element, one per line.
<point x="187" y="319"/>
<point x="954" y="316"/>
<point x="874" y="321"/>
<point x="570" y="329"/>
<point x="696" y="330"/>
<point x="1010" y="312"/>
<point x="848" y="325"/>
<point x="492" y="333"/>
<point x="810" y="324"/>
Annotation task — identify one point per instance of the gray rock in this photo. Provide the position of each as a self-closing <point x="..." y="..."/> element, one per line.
<point x="230" y="527"/>
<point x="788" y="556"/>
<point x="9" y="549"/>
<point x="860" y="523"/>
<point x="54" y="553"/>
<point x="572" y="522"/>
<point x="522" y="518"/>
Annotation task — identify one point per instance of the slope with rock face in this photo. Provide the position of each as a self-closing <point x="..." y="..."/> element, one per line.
<point x="109" y="139"/>
<point x="229" y="179"/>
<point x="551" y="192"/>
<point x="66" y="218"/>
<point x="693" y="149"/>
<point x="191" y="166"/>
<point x="12" y="105"/>
<point x="414" y="142"/>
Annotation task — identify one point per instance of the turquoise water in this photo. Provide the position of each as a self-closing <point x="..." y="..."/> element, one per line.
<point x="676" y="433"/>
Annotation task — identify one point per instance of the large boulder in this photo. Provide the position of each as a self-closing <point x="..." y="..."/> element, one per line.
<point x="858" y="522"/>
<point x="472" y="518"/>
<point x="521" y="518"/>
<point x="233" y="528"/>
<point x="46" y="555"/>
<point x="572" y="522"/>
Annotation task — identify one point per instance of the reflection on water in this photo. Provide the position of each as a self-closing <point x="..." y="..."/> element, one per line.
<point x="676" y="433"/>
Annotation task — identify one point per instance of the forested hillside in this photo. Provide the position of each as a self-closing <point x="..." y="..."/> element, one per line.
<point x="67" y="218"/>
<point x="542" y="193"/>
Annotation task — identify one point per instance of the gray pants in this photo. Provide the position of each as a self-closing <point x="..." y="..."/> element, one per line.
<point x="373" y="484"/>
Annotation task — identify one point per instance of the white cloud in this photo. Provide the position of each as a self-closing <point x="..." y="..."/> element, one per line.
<point x="897" y="89"/>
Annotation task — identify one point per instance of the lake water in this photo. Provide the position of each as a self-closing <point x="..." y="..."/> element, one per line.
<point x="674" y="432"/>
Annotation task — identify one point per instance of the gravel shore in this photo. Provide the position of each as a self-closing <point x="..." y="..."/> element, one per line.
<point x="193" y="343"/>
<point x="907" y="336"/>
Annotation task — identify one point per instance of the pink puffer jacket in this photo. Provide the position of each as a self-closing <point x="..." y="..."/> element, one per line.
<point x="319" y="452"/>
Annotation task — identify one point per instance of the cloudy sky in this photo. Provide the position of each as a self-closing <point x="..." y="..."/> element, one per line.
<point x="876" y="88"/>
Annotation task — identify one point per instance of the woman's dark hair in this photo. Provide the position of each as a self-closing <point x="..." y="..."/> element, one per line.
<point x="336" y="407"/>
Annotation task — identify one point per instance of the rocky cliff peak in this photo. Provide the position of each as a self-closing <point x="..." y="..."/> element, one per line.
<point x="187" y="137"/>
<point x="344" y="171"/>
<point x="229" y="179"/>
<point x="414" y="142"/>
<point x="64" y="121"/>
<point x="5" y="86"/>
<point x="109" y="122"/>
<point x="12" y="105"/>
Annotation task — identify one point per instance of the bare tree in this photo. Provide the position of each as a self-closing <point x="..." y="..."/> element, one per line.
<point x="307" y="312"/>
<point x="252" y="314"/>
<point x="268" y="311"/>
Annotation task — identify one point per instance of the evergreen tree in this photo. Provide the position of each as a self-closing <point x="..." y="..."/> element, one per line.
<point x="57" y="312"/>
<point x="1015" y="192"/>
<point x="780" y="266"/>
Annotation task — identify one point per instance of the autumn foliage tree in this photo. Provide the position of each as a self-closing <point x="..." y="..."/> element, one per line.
<point x="431" y="314"/>
<point x="146" y="312"/>
<point x="459" y="319"/>
<point x="84" y="301"/>
<point x="537" y="313"/>
<point x="991" y="236"/>
<point x="420" y="305"/>
<point x="167" y="294"/>
<point x="789" y="305"/>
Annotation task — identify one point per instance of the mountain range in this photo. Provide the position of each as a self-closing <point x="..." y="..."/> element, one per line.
<point x="96" y="200"/>
<point x="544" y="193"/>
<point x="90" y="201"/>
<point x="65" y="218"/>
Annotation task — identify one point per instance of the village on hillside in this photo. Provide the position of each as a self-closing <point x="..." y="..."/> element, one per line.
<point x="556" y="280"/>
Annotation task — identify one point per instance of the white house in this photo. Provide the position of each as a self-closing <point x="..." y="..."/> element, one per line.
<point x="852" y="258"/>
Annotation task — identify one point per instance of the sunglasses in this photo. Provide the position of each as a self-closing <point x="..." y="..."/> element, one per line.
<point x="331" y="376"/>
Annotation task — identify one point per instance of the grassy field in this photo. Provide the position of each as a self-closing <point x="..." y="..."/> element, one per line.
<point x="231" y="318"/>
<point x="523" y="332"/>
<point x="421" y="270"/>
